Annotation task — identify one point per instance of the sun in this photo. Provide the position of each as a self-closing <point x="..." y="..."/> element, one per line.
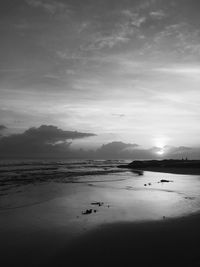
<point x="160" y="143"/>
<point x="160" y="152"/>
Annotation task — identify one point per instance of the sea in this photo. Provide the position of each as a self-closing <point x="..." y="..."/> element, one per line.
<point x="16" y="173"/>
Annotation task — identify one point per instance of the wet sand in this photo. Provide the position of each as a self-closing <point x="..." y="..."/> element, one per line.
<point x="172" y="242"/>
<point x="192" y="171"/>
<point x="134" y="225"/>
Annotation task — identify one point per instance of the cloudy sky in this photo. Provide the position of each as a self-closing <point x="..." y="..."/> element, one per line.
<point x="124" y="70"/>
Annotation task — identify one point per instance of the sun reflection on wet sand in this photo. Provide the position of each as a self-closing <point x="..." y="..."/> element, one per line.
<point x="130" y="198"/>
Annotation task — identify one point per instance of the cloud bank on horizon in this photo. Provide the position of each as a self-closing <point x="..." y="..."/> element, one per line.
<point x="46" y="140"/>
<point x="125" y="70"/>
<point x="50" y="141"/>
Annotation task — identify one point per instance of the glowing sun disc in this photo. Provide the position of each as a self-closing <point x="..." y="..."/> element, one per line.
<point x="161" y="152"/>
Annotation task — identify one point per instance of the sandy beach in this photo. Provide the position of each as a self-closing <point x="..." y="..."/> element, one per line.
<point x="162" y="243"/>
<point x="103" y="220"/>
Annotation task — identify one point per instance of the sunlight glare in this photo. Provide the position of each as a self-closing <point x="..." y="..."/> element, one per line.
<point x="161" y="152"/>
<point x="161" y="141"/>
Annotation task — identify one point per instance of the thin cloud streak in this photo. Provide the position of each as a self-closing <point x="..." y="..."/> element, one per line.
<point x="50" y="6"/>
<point x="182" y="70"/>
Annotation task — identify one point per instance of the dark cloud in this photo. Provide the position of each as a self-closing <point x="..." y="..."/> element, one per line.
<point x="115" y="150"/>
<point x="2" y="127"/>
<point x="122" y="150"/>
<point x="50" y="141"/>
<point x="46" y="140"/>
<point x="49" y="133"/>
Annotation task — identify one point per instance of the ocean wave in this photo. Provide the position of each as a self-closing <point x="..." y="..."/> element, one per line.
<point x="15" y="174"/>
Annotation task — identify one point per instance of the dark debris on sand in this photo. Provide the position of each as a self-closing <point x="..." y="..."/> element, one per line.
<point x="165" y="181"/>
<point x="97" y="203"/>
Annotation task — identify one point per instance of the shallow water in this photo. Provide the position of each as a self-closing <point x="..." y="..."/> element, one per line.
<point x="15" y="174"/>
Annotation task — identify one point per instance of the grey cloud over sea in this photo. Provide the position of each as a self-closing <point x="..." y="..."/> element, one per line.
<point x="48" y="140"/>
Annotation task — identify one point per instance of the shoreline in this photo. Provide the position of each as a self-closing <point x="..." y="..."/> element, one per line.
<point x="172" y="170"/>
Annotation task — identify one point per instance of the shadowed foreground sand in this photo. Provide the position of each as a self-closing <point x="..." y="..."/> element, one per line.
<point x="165" y="243"/>
<point x="172" y="242"/>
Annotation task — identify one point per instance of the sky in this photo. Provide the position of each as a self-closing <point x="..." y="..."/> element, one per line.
<point x="115" y="71"/>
